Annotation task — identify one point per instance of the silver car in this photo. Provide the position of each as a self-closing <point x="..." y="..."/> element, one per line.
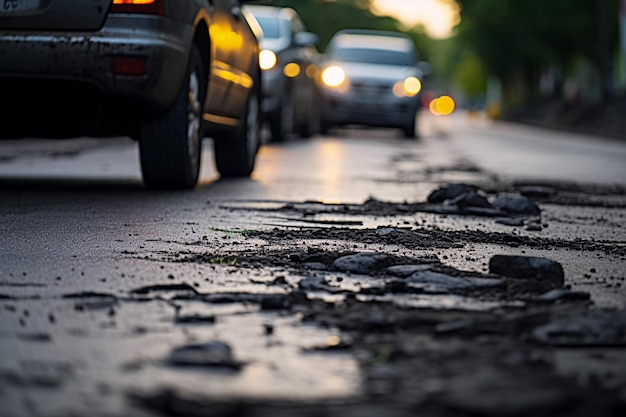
<point x="165" y="72"/>
<point x="371" y="78"/>
<point x="288" y="57"/>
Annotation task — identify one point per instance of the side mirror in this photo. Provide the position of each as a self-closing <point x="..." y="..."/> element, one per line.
<point x="302" y="39"/>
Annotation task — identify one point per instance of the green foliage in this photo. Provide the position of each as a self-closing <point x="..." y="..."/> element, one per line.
<point x="517" y="40"/>
<point x="223" y="261"/>
<point x="326" y="17"/>
<point x="230" y="233"/>
<point x="471" y="76"/>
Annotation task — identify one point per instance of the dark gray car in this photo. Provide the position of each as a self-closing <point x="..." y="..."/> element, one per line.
<point x="165" y="72"/>
<point x="288" y="60"/>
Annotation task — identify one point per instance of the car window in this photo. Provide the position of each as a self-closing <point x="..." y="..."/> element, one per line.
<point x="373" y="56"/>
<point x="270" y="26"/>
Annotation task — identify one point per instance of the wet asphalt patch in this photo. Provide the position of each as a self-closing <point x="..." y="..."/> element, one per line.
<point x="379" y="303"/>
<point x="430" y="338"/>
<point x="394" y="310"/>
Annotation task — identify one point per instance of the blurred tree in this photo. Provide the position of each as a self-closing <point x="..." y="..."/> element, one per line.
<point x="325" y="17"/>
<point x="471" y="76"/>
<point x="519" y="40"/>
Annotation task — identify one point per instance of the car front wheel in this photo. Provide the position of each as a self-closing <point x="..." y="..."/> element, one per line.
<point x="235" y="154"/>
<point x="409" y="129"/>
<point x="282" y="121"/>
<point x="170" y="146"/>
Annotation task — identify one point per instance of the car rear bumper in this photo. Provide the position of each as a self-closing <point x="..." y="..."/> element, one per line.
<point x="344" y="109"/>
<point x="88" y="57"/>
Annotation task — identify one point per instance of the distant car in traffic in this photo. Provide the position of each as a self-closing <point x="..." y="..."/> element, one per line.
<point x="288" y="56"/>
<point x="164" y="72"/>
<point x="371" y="78"/>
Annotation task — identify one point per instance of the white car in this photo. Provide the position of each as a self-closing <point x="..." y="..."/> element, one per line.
<point x="371" y="78"/>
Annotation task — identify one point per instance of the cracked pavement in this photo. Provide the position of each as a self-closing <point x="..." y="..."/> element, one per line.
<point x="335" y="281"/>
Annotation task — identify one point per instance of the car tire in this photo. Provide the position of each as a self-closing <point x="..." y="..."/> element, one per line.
<point x="282" y="121"/>
<point x="311" y="126"/>
<point x="235" y="154"/>
<point x="409" y="130"/>
<point x="324" y="127"/>
<point x="170" y="146"/>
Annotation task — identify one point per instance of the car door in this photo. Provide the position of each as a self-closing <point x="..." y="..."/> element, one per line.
<point x="229" y="35"/>
<point x="244" y="59"/>
<point x="222" y="39"/>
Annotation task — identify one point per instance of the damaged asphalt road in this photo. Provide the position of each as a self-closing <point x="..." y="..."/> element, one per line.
<point x="446" y="290"/>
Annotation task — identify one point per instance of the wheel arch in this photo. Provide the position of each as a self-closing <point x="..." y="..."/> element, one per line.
<point x="202" y="39"/>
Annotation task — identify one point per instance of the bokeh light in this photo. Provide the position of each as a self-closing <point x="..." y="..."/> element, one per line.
<point x="291" y="70"/>
<point x="333" y="76"/>
<point x="442" y="106"/>
<point x="267" y="59"/>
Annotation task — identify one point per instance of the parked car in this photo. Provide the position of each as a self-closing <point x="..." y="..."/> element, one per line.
<point x="371" y="78"/>
<point x="164" y="72"/>
<point x="288" y="56"/>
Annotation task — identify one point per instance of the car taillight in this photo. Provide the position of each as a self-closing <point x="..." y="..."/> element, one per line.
<point x="128" y="65"/>
<point x="138" y="6"/>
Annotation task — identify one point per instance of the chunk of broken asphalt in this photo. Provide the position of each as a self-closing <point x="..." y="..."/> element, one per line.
<point x="560" y="294"/>
<point x="597" y="328"/>
<point x="362" y="263"/>
<point x="160" y="288"/>
<point x="534" y="227"/>
<point x="449" y="282"/>
<point x="530" y="274"/>
<point x="312" y="283"/>
<point x="449" y="192"/>
<point x="470" y="199"/>
<point x="508" y="221"/>
<point x="537" y="191"/>
<point x="386" y="231"/>
<point x="316" y="266"/>
<point x="195" y="319"/>
<point x="275" y="302"/>
<point x="211" y="354"/>
<point x="517" y="205"/>
<point x="404" y="271"/>
<point x="548" y="272"/>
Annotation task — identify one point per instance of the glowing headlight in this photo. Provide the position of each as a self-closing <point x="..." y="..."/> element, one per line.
<point x="267" y="59"/>
<point x="333" y="76"/>
<point x="410" y="87"/>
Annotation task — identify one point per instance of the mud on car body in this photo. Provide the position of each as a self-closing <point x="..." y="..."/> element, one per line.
<point x="164" y="72"/>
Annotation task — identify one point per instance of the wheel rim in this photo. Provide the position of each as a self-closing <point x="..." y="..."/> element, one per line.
<point x="252" y="124"/>
<point x="193" y="118"/>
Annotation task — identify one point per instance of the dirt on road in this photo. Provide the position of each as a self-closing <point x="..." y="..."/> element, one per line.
<point x="512" y="335"/>
<point x="487" y="298"/>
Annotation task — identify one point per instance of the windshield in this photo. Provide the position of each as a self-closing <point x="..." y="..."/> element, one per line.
<point x="373" y="56"/>
<point x="270" y="27"/>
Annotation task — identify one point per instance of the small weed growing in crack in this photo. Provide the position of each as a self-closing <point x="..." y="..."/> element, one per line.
<point x="230" y="233"/>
